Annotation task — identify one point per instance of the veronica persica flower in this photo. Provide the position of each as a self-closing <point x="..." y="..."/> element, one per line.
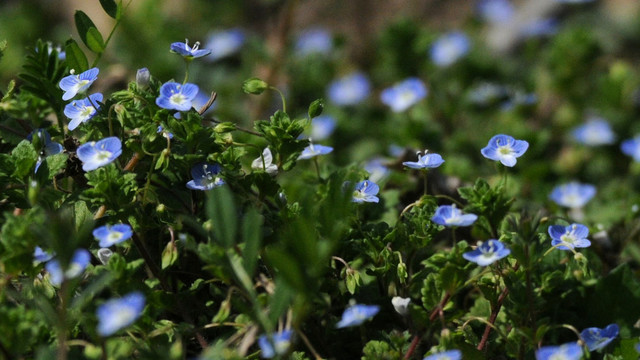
<point x="403" y="95"/>
<point x="174" y="96"/>
<point x="449" y="215"/>
<point x="487" y="253"/>
<point x="75" y="84"/>
<point x="447" y="355"/>
<point x="357" y="314"/>
<point x="496" y="11"/>
<point x="40" y="255"/>
<point x="573" y="195"/>
<point x="631" y="147"/>
<point x="596" y="338"/>
<point x="265" y="163"/>
<point x="314" y="150"/>
<point x="188" y="52"/>
<point x="505" y="149"/>
<point x="401" y="305"/>
<point x="350" y="89"/>
<point x="116" y="314"/>
<point x="377" y="169"/>
<point x="449" y="47"/>
<point x="365" y="191"/>
<point x="224" y="43"/>
<point x="426" y="161"/>
<point x="594" y="132"/>
<point x="313" y="41"/>
<point x="205" y="176"/>
<point x="78" y="263"/>
<point x="569" y="237"/>
<point x="569" y="351"/>
<point x="81" y="111"/>
<point x="97" y="154"/>
<point x="279" y="344"/>
<point x="112" y="234"/>
<point x="47" y="147"/>
<point x="322" y="127"/>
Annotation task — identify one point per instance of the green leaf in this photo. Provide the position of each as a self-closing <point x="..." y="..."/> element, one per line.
<point x="251" y="235"/>
<point x="221" y="210"/>
<point x="111" y="8"/>
<point x="82" y="214"/>
<point x="94" y="40"/>
<point x="24" y="157"/>
<point x="83" y="24"/>
<point x="76" y="59"/>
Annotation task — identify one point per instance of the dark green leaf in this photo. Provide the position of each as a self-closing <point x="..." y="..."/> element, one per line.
<point x="110" y="7"/>
<point x="251" y="235"/>
<point x="221" y="210"/>
<point x="76" y="59"/>
<point x="83" y="24"/>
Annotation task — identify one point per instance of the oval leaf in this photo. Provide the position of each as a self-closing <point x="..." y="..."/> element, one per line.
<point x="75" y="57"/>
<point x="83" y="24"/>
<point x="110" y="7"/>
<point x="94" y="40"/>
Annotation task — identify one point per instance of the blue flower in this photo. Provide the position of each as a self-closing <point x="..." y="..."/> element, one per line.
<point x="377" y="169"/>
<point x="505" y="149"/>
<point x="279" y="344"/>
<point x="403" y="95"/>
<point x="314" y="150"/>
<point x="596" y="338"/>
<point x="487" y="253"/>
<point x="174" y="96"/>
<point x="143" y="77"/>
<point x="166" y="134"/>
<point x="350" y="89"/>
<point x="78" y="263"/>
<point x="449" y="215"/>
<point x="573" y="195"/>
<point x="496" y="11"/>
<point x="426" y="161"/>
<point x="116" y="314"/>
<point x="187" y="51"/>
<point x="81" y="111"/>
<point x="224" y="43"/>
<point x="539" y="27"/>
<point x="74" y="84"/>
<point x="313" y="41"/>
<point x="366" y="191"/>
<point x="568" y="351"/>
<point x="357" y="314"/>
<point x="631" y="147"/>
<point x="112" y="234"/>
<point x="96" y="154"/>
<point x="205" y="176"/>
<point x="322" y="127"/>
<point x="47" y="148"/>
<point x="447" y="355"/>
<point x="449" y="47"/>
<point x="569" y="237"/>
<point x="40" y="255"/>
<point x="596" y="131"/>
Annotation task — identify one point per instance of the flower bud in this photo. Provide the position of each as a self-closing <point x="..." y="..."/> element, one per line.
<point x="401" y="305"/>
<point x="254" y="86"/>
<point x="316" y="108"/>
<point x="142" y="77"/>
<point x="104" y="254"/>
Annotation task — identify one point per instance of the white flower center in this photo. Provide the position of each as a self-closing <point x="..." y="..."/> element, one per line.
<point x="114" y="236"/>
<point x="87" y="111"/>
<point x="177" y="98"/>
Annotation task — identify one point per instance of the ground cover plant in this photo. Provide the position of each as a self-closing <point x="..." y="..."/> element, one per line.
<point x="451" y="197"/>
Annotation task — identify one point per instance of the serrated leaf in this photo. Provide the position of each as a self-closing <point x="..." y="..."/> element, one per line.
<point x="76" y="59"/>
<point x="82" y="214"/>
<point x="94" y="40"/>
<point x="25" y="158"/>
<point x="111" y="8"/>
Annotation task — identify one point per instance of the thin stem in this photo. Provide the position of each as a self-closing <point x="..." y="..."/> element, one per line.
<point x="492" y="318"/>
<point x="186" y="72"/>
<point x="426" y="189"/>
<point x="106" y="42"/>
<point x="412" y="347"/>
<point x="284" y="102"/>
<point x="146" y="185"/>
<point x="308" y="343"/>
<point x="315" y="162"/>
<point x="62" y="322"/>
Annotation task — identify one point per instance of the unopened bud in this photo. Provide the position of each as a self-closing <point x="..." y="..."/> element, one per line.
<point x="254" y="86"/>
<point x="142" y="77"/>
<point x="401" y="305"/>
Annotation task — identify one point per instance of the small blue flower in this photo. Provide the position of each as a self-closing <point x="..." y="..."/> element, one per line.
<point x="366" y="191"/>
<point x="487" y="253"/>
<point x="539" y="27"/>
<point x="403" y="95"/>
<point x="74" y="84"/>
<point x="631" y="147"/>
<point x="166" y="134"/>
<point x="449" y="47"/>
<point x="40" y="255"/>
<point x="314" y="150"/>
<point x="569" y="237"/>
<point x="449" y="215"/>
<point x="174" y="96"/>
<point x="496" y="11"/>
<point x="81" y="111"/>
<point x="313" y="41"/>
<point x="205" y="176"/>
<point x="596" y="131"/>
<point x="573" y="195"/>
<point x="426" y="161"/>
<point x="78" y="263"/>
<point x="377" y="169"/>
<point x="350" y="89"/>
<point x="189" y="52"/>
<point x="357" y="314"/>
<point x="447" y="355"/>
<point x="596" y="338"/>
<point x="48" y="147"/>
<point x="224" y="43"/>
<point x="97" y="154"/>
<point x="505" y="149"/>
<point x="322" y="127"/>
<point x="568" y="351"/>
<point x="279" y="344"/>
<point x="116" y="314"/>
<point x="112" y="234"/>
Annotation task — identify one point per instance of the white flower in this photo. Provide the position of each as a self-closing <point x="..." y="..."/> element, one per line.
<point x="264" y="162"/>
